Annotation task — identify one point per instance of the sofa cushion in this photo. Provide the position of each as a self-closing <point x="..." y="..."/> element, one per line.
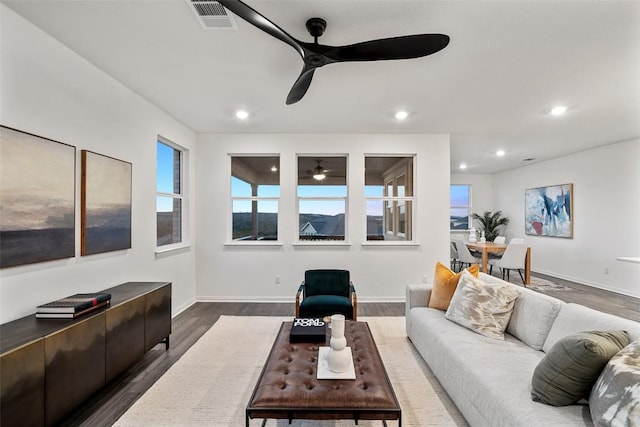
<point x="569" y="370"/>
<point x="483" y="307"/>
<point x="533" y="314"/>
<point x="615" y="398"/>
<point x="445" y="282"/>
<point x="574" y="318"/>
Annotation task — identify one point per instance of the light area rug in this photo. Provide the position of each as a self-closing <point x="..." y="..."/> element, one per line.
<point x="540" y="284"/>
<point x="212" y="382"/>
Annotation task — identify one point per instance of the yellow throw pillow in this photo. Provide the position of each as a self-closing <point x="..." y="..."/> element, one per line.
<point x="445" y="282"/>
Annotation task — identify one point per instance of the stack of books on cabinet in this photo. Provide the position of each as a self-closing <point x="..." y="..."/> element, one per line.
<point x="73" y="306"/>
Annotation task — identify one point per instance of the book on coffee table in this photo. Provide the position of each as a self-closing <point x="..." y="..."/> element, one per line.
<point x="308" y="330"/>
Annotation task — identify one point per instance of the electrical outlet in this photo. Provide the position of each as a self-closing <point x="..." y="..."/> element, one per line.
<point x="424" y="278"/>
<point x="277" y="279"/>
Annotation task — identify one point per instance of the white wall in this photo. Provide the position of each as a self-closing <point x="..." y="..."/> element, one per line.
<point x="48" y="90"/>
<point x="379" y="273"/>
<point x="606" y="205"/>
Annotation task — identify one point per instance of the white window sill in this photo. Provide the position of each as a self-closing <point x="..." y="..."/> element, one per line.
<point x="322" y="243"/>
<point x="389" y="243"/>
<point x="160" y="250"/>
<point x="254" y="243"/>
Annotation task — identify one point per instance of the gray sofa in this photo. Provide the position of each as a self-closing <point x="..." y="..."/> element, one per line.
<point x="490" y="380"/>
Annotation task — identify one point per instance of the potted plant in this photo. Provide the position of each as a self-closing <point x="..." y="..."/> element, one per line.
<point x="489" y="222"/>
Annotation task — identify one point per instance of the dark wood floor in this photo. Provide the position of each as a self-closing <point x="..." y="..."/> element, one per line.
<point x="110" y="403"/>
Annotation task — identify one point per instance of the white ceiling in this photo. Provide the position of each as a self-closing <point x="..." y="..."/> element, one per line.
<point x="507" y="64"/>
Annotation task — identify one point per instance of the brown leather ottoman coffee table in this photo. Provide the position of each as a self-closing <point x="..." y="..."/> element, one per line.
<point x="288" y="388"/>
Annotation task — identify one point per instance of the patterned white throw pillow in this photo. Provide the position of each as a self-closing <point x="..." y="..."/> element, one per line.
<point x="615" y="398"/>
<point x="482" y="307"/>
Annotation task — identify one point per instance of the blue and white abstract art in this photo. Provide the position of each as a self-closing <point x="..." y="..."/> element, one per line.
<point x="549" y="211"/>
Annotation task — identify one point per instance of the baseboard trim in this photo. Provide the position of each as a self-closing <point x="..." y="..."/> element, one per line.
<point x="274" y="300"/>
<point x="582" y="282"/>
<point x="184" y="307"/>
<point x="280" y="300"/>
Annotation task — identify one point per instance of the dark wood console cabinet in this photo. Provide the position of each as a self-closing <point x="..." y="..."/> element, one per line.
<point x="49" y="366"/>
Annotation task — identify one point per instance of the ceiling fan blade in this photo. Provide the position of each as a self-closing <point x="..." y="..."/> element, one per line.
<point x="301" y="85"/>
<point x="253" y="17"/>
<point x="403" y="47"/>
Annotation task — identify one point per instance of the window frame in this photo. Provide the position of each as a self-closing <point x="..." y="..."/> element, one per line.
<point x="182" y="196"/>
<point x="345" y="199"/>
<point x="468" y="207"/>
<point x="231" y="198"/>
<point x="390" y="180"/>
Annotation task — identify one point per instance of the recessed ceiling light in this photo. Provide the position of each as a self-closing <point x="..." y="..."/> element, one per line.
<point x="558" y="110"/>
<point x="242" y="114"/>
<point x="401" y="115"/>
<point x="274" y="168"/>
<point x="463" y="165"/>
<point x="500" y="153"/>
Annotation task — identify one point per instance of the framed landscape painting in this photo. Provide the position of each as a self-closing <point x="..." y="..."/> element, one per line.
<point x="105" y="204"/>
<point x="37" y="198"/>
<point x="549" y="211"/>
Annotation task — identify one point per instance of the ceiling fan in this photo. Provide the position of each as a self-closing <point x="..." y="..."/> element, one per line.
<point x="319" y="173"/>
<point x="316" y="55"/>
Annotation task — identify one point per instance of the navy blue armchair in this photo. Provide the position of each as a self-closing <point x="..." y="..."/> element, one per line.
<point x="326" y="292"/>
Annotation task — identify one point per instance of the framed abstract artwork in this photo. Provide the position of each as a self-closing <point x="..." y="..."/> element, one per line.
<point x="549" y="211"/>
<point x="37" y="198"/>
<point x="105" y="204"/>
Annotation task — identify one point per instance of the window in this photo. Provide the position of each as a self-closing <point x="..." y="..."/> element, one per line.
<point x="389" y="198"/>
<point x="322" y="198"/>
<point x="170" y="193"/>
<point x="460" y="196"/>
<point x="255" y="192"/>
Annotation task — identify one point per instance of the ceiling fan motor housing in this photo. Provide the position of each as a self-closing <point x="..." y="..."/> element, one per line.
<point x="316" y="27"/>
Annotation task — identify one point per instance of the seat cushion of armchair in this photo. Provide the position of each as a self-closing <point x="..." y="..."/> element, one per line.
<point x="324" y="305"/>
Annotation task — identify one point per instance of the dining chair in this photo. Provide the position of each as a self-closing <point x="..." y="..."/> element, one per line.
<point x="500" y="240"/>
<point x="464" y="255"/>
<point x="512" y="259"/>
<point x="455" y="258"/>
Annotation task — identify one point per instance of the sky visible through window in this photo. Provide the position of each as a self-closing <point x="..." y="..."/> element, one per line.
<point x="164" y="168"/>
<point x="374" y="207"/>
<point x="240" y="188"/>
<point x="460" y="197"/>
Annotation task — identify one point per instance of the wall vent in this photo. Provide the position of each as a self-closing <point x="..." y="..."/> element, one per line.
<point x="212" y="15"/>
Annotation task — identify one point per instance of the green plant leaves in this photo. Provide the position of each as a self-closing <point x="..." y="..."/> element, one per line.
<point x="489" y="222"/>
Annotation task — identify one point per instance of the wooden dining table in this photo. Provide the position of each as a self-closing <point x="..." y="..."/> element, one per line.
<point x="490" y="247"/>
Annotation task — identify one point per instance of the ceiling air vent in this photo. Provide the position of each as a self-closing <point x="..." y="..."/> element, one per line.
<point x="212" y="15"/>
